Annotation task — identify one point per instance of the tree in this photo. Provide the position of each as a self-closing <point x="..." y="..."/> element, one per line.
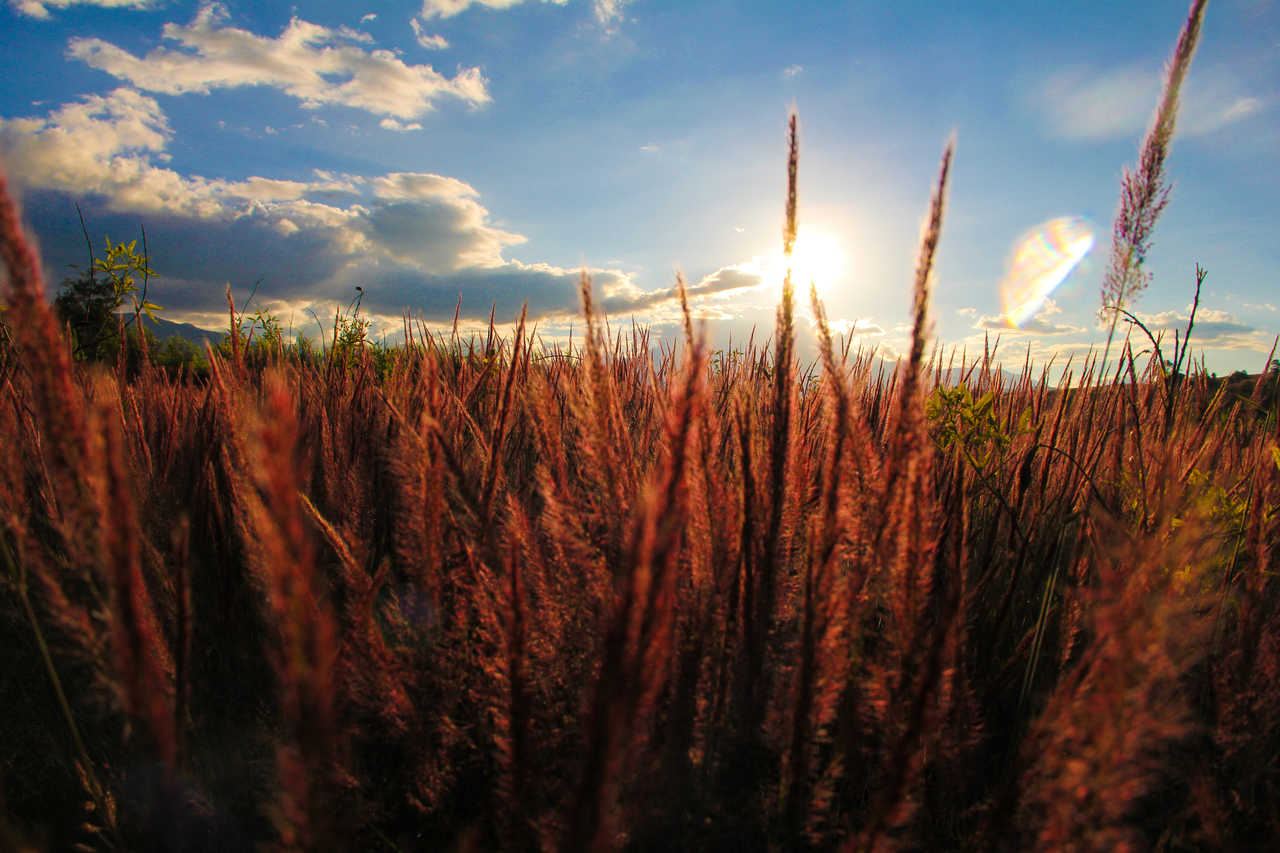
<point x="89" y="304"/>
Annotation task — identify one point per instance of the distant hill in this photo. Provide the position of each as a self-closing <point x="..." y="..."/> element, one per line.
<point x="165" y="329"/>
<point x="956" y="375"/>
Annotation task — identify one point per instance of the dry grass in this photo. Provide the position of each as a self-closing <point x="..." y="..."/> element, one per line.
<point x="500" y="597"/>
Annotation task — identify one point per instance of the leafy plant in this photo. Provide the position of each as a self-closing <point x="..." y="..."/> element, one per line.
<point x="120" y="266"/>
<point x="726" y="361"/>
<point x="350" y="330"/>
<point x="258" y="338"/>
<point x="958" y="420"/>
<point x="90" y="304"/>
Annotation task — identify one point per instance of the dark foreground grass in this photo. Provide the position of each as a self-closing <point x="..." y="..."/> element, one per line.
<point x="494" y="595"/>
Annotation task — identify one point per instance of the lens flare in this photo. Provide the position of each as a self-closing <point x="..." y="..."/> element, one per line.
<point x="1042" y="260"/>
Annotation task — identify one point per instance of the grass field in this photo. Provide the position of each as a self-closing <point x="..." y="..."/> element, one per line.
<point x="482" y="594"/>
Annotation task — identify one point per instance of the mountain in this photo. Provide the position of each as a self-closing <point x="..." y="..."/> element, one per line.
<point x="165" y="329"/>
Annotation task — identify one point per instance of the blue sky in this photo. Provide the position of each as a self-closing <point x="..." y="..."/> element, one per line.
<point x="492" y="148"/>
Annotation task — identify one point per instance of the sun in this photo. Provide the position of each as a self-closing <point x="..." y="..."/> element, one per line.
<point x="817" y="257"/>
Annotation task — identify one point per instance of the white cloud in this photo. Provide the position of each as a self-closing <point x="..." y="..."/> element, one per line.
<point x="110" y="145"/>
<point x="449" y="8"/>
<point x="435" y="234"/>
<point x="1089" y="104"/>
<point x="608" y="13"/>
<point x="860" y="328"/>
<point x="314" y="64"/>
<point x="650" y="147"/>
<point x="98" y="126"/>
<point x="351" y="34"/>
<point x="40" y="8"/>
<point x="410" y="239"/>
<point x="1040" y="324"/>
<point x="627" y="298"/>
<point x="369" y="17"/>
<point x="1098" y="105"/>
<point x="426" y="40"/>
<point x="1214" y="329"/>
<point x="100" y="145"/>
<point x="392" y="124"/>
<point x="1211" y="119"/>
<point x="792" y="71"/>
<point x="418" y="185"/>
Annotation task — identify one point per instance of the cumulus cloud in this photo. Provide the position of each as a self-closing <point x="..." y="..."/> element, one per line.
<point x="1041" y="324"/>
<point x="434" y="235"/>
<point x="626" y="298"/>
<point x="370" y="16"/>
<point x="417" y="255"/>
<point x="792" y="71"/>
<point x="392" y="124"/>
<point x="97" y="127"/>
<point x="425" y="39"/>
<point x="410" y="239"/>
<point x="859" y="328"/>
<point x="1089" y="104"/>
<point x="551" y="292"/>
<point x="317" y="65"/>
<point x="1214" y="329"/>
<point x="608" y="13"/>
<point x="449" y="8"/>
<point x="40" y="8"/>
<point x="109" y="145"/>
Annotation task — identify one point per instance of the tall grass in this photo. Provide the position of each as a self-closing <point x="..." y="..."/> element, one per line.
<point x="1144" y="192"/>
<point x="504" y="596"/>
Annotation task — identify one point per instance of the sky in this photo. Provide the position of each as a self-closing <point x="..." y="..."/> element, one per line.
<point x="491" y="150"/>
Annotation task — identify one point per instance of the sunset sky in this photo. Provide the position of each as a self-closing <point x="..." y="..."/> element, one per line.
<point x="492" y="148"/>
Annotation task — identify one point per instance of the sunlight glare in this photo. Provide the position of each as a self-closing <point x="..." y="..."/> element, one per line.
<point x="1042" y="259"/>
<point x="817" y="257"/>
